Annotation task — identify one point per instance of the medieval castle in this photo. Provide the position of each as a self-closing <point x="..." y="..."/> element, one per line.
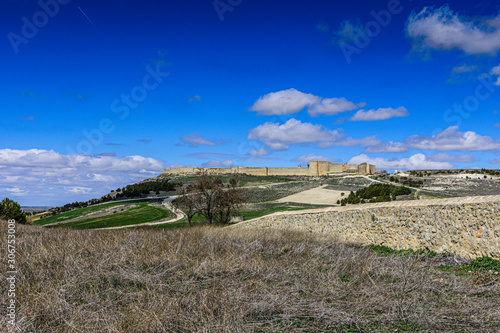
<point x="314" y="168"/>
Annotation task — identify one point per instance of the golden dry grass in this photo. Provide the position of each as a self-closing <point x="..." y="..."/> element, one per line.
<point x="229" y="280"/>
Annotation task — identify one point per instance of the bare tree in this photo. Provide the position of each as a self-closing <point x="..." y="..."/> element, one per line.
<point x="207" y="187"/>
<point x="187" y="201"/>
<point x="228" y="201"/>
<point x="209" y="197"/>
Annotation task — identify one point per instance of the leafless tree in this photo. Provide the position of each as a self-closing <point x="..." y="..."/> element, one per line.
<point x="187" y="201"/>
<point x="209" y="197"/>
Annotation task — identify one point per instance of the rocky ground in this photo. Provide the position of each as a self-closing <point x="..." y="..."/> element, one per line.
<point x="457" y="187"/>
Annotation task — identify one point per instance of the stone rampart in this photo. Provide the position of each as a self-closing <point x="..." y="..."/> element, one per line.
<point x="469" y="227"/>
<point x="314" y="168"/>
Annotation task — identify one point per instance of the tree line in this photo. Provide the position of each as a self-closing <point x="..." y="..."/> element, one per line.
<point x="137" y="190"/>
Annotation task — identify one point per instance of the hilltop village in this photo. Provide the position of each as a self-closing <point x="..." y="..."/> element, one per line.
<point x="314" y="168"/>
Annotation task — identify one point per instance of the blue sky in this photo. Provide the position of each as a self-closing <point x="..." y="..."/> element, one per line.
<point x="100" y="95"/>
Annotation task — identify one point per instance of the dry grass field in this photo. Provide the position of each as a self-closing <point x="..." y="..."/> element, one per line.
<point x="227" y="280"/>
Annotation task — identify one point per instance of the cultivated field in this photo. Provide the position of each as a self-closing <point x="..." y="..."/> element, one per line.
<point x="108" y="215"/>
<point x="230" y="280"/>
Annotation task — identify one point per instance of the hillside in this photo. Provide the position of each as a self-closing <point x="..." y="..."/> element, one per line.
<point x="267" y="194"/>
<point x="232" y="280"/>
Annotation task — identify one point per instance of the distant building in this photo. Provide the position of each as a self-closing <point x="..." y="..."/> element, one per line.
<point x="314" y="168"/>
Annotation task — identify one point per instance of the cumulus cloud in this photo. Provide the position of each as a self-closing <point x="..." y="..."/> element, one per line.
<point x="283" y="102"/>
<point x="313" y="157"/>
<point x="218" y="164"/>
<point x="444" y="29"/>
<point x="195" y="140"/>
<point x="495" y="161"/>
<point x="280" y="136"/>
<point x="496" y="72"/>
<point x="414" y="162"/>
<point x="379" y="114"/>
<point x="451" y="139"/>
<point x="497" y="125"/>
<point x="445" y="157"/>
<point x="292" y="101"/>
<point x="258" y="152"/>
<point x="333" y="106"/>
<point x="49" y="177"/>
<point x="448" y="140"/>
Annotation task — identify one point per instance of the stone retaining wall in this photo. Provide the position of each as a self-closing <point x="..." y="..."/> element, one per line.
<point x="470" y="226"/>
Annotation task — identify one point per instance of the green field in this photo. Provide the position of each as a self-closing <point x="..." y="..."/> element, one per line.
<point x="142" y="213"/>
<point x="81" y="212"/>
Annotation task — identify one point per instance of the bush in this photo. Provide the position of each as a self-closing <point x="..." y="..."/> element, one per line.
<point x="11" y="210"/>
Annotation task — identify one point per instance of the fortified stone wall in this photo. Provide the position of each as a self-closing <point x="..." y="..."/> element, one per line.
<point x="254" y="171"/>
<point x="315" y="168"/>
<point x="288" y="171"/>
<point x="470" y="226"/>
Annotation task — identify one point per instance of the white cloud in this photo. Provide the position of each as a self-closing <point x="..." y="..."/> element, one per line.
<point x="79" y="190"/>
<point x="292" y="101"/>
<point x="196" y="140"/>
<point x="443" y="29"/>
<point x="313" y="157"/>
<point x="16" y="191"/>
<point x="283" y="102"/>
<point x="496" y="72"/>
<point x="495" y="161"/>
<point x="379" y="114"/>
<point x="387" y="147"/>
<point x="448" y="140"/>
<point x="258" y="152"/>
<point x="445" y="157"/>
<point x="333" y="106"/>
<point x="463" y="69"/>
<point x="280" y="137"/>
<point x="218" y="164"/>
<point x="48" y="177"/>
<point x="451" y="139"/>
<point x="414" y="162"/>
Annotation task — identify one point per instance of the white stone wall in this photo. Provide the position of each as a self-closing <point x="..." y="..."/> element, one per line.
<point x="470" y="226"/>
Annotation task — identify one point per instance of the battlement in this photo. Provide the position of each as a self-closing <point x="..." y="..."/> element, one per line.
<point x="314" y="168"/>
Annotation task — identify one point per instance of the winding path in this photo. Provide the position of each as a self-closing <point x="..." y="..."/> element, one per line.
<point x="167" y="203"/>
